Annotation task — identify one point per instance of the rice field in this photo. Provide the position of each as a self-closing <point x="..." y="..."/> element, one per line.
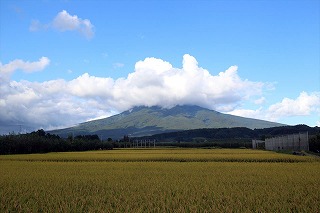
<point x="160" y="180"/>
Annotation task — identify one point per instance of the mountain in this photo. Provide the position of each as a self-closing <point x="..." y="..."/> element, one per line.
<point x="141" y="121"/>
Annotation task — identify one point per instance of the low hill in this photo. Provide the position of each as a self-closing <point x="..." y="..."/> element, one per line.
<point x="141" y="121"/>
<point x="224" y="134"/>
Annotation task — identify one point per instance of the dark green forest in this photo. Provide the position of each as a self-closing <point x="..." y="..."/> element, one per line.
<point x="42" y="142"/>
<point x="231" y="137"/>
<point x="238" y="137"/>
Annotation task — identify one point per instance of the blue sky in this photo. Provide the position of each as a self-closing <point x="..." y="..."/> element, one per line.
<point x="71" y="61"/>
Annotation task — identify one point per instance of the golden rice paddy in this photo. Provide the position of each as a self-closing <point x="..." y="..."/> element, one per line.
<point x="160" y="180"/>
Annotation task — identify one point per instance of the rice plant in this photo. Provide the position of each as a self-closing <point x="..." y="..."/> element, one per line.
<point x="163" y="180"/>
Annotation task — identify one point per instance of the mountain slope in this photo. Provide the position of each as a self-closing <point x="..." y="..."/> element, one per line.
<point x="141" y="121"/>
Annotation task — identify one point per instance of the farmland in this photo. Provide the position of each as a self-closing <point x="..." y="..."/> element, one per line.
<point x="160" y="180"/>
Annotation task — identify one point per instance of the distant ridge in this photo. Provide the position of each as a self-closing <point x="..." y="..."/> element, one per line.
<point x="142" y="121"/>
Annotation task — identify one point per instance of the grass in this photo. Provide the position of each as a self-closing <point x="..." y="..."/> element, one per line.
<point x="160" y="180"/>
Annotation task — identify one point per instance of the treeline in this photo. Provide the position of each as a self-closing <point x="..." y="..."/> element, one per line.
<point x="42" y="142"/>
<point x="231" y="133"/>
<point x="232" y="137"/>
<point x="203" y="143"/>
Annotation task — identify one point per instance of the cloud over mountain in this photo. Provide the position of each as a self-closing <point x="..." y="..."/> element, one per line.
<point x="153" y="82"/>
<point x="156" y="82"/>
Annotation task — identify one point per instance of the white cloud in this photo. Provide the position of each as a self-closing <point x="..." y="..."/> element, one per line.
<point x="90" y="86"/>
<point x="7" y="69"/>
<point x="249" y="113"/>
<point x="66" y="22"/>
<point x="305" y="104"/>
<point x="156" y="82"/>
<point x="153" y="82"/>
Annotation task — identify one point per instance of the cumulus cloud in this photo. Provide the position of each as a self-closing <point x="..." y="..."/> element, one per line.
<point x="66" y="22"/>
<point x="46" y="105"/>
<point x="249" y="113"/>
<point x="156" y="82"/>
<point x="304" y="104"/>
<point x="7" y="69"/>
<point x="153" y="82"/>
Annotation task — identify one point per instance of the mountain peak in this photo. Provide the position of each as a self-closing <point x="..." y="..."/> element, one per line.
<point x="143" y="120"/>
<point x="177" y="108"/>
